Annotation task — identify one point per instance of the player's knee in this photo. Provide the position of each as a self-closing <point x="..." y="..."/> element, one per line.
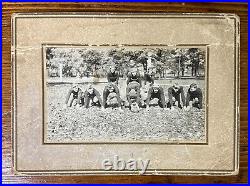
<point x="95" y="99"/>
<point x="69" y="104"/>
<point x="74" y="103"/>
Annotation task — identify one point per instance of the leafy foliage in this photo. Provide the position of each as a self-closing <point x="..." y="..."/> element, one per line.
<point x="96" y="62"/>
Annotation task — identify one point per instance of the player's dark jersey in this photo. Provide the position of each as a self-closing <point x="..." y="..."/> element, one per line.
<point x="106" y="92"/>
<point x="177" y="94"/>
<point x="136" y="78"/>
<point x="76" y="94"/>
<point x="173" y="93"/>
<point x="194" y="94"/>
<point x="91" y="96"/>
<point x="113" y="76"/>
<point x="155" y="94"/>
<point x="149" y="78"/>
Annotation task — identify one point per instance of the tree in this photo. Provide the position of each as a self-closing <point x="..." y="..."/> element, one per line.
<point x="96" y="62"/>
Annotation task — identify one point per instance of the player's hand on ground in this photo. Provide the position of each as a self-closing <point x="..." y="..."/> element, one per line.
<point x="121" y="110"/>
<point x="65" y="106"/>
<point x="77" y="106"/>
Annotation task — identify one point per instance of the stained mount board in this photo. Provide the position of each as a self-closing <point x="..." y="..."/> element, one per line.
<point x="51" y="139"/>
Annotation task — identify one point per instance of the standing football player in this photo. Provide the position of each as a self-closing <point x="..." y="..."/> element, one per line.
<point x="134" y="76"/>
<point x="113" y="75"/>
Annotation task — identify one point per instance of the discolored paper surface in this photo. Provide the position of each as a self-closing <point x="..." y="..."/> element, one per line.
<point x="218" y="33"/>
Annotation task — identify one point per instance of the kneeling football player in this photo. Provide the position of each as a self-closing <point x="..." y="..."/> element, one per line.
<point x="73" y="97"/>
<point x="156" y="91"/>
<point x="92" y="97"/>
<point x="111" y="96"/>
<point x="176" y="96"/>
<point x="133" y="96"/>
<point x="194" y="97"/>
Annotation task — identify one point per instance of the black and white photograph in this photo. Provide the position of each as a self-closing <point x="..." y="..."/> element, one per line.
<point x="144" y="94"/>
<point x="124" y="93"/>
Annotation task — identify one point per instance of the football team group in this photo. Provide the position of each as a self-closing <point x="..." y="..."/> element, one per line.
<point x="137" y="96"/>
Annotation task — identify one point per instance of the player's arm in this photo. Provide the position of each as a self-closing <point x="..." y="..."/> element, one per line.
<point x="86" y="99"/>
<point x="117" y="91"/>
<point x="108" y="77"/>
<point x="117" y="78"/>
<point x="79" y="96"/>
<point x="170" y="96"/>
<point x="187" y="99"/>
<point x="139" y="78"/>
<point x="182" y="96"/>
<point x="97" y="94"/>
<point x="127" y="90"/>
<point x="152" y="80"/>
<point x="129" y="100"/>
<point x="127" y="95"/>
<point x="138" y="92"/>
<point x="129" y="79"/>
<point x="200" y="98"/>
<point x="149" y="96"/>
<point x="68" y="96"/>
<point x="105" y="95"/>
<point x="162" y="96"/>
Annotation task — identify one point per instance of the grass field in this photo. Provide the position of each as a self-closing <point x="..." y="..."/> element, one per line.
<point x="112" y="125"/>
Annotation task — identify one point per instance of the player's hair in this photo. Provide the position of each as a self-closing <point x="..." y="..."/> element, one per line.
<point x="155" y="85"/>
<point x="193" y="85"/>
<point x="90" y="86"/>
<point x="74" y="85"/>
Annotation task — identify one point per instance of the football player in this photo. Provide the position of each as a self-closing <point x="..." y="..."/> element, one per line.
<point x="74" y="96"/>
<point x="156" y="91"/>
<point x="111" y="96"/>
<point x="176" y="96"/>
<point x="133" y="95"/>
<point x="113" y="75"/>
<point x="194" y="97"/>
<point x="92" y="97"/>
<point x="134" y="76"/>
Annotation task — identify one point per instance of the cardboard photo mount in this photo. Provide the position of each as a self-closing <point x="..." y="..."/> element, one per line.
<point x="219" y="32"/>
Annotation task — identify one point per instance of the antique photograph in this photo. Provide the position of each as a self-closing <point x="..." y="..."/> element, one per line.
<point x="125" y="94"/>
